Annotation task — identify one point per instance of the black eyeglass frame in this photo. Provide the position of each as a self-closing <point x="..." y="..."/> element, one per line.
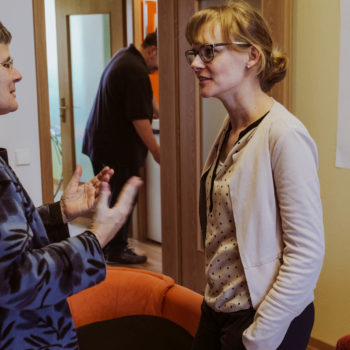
<point x="199" y="52"/>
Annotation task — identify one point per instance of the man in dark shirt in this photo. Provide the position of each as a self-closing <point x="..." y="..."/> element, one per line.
<point x="119" y="132"/>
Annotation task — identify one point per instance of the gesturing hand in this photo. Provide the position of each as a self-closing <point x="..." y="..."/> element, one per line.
<point x="107" y="221"/>
<point x="77" y="199"/>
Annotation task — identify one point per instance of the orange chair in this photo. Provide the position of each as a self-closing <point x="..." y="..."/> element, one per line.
<point x="133" y="307"/>
<point x="343" y="343"/>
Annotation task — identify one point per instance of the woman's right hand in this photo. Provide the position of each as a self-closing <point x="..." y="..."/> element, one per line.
<point x="107" y="221"/>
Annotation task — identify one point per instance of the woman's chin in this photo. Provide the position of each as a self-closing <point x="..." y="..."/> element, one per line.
<point x="8" y="109"/>
<point x="205" y="93"/>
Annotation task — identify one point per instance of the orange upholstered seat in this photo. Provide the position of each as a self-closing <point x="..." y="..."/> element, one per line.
<point x="128" y="292"/>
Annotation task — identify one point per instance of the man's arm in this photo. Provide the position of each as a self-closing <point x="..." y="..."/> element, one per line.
<point x="144" y="129"/>
<point x="155" y="108"/>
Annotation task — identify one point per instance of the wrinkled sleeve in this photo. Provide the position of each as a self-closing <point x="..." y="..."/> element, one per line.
<point x="35" y="278"/>
<point x="51" y="217"/>
<point x="294" y="164"/>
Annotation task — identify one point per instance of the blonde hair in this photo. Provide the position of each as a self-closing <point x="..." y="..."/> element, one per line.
<point x="240" y="22"/>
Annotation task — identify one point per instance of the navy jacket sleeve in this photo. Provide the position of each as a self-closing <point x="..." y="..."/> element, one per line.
<point x="51" y="217"/>
<point x="33" y="272"/>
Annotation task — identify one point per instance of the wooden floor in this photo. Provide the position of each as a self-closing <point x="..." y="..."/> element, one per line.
<point x="315" y="344"/>
<point x="152" y="250"/>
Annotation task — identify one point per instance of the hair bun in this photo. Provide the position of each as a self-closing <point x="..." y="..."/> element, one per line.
<point x="275" y="70"/>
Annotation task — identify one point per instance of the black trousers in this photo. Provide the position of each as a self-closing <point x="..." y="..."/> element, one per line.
<point x="118" y="180"/>
<point x="223" y="331"/>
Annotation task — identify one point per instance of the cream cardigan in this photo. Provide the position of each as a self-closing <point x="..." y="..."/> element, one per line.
<point x="277" y="209"/>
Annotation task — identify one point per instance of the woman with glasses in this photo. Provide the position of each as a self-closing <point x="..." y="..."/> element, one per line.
<point x="40" y="265"/>
<point x="260" y="207"/>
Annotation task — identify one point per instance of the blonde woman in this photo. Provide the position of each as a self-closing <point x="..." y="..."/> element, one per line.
<point x="260" y="207"/>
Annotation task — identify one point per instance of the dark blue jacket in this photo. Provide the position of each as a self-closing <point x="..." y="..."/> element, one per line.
<point x="40" y="266"/>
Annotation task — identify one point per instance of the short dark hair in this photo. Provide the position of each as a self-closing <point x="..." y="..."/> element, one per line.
<point x="5" y="35"/>
<point x="150" y="40"/>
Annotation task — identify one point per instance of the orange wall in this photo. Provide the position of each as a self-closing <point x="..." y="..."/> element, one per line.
<point x="152" y="26"/>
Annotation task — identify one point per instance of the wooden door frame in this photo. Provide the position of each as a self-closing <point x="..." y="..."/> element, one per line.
<point x="279" y="16"/>
<point x="180" y="128"/>
<point x="43" y="100"/>
<point x="43" y="96"/>
<point x="65" y="8"/>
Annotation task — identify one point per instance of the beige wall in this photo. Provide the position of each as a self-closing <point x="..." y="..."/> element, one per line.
<point x="315" y="68"/>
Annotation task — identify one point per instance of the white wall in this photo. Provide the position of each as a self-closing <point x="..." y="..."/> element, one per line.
<point x="19" y="130"/>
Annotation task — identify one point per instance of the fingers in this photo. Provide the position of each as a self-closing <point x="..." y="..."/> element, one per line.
<point x="90" y="195"/>
<point x="104" y="194"/>
<point x="107" y="221"/>
<point x="107" y="176"/>
<point x="77" y="172"/>
<point x="127" y="196"/>
<point x="75" y="179"/>
<point x="104" y="175"/>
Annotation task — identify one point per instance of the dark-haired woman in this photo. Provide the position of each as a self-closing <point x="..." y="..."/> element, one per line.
<point x="260" y="208"/>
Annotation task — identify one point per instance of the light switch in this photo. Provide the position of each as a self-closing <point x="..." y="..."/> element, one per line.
<point x="22" y="156"/>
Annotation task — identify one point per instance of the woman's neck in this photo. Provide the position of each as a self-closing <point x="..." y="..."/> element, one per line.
<point x="247" y="107"/>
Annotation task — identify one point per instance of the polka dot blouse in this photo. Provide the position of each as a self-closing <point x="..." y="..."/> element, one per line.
<point x="226" y="289"/>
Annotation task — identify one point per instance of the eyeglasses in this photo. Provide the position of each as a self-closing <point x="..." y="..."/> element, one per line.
<point x="8" y="64"/>
<point x="207" y="51"/>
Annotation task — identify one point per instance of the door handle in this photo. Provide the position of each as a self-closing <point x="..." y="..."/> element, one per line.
<point x="63" y="109"/>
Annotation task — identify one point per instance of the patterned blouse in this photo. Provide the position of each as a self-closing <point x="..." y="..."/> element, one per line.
<point x="226" y="289"/>
<point x="40" y="266"/>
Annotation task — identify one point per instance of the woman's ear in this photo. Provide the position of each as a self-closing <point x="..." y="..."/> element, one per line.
<point x="253" y="57"/>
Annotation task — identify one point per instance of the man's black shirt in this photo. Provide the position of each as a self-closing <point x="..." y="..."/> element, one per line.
<point x="124" y="94"/>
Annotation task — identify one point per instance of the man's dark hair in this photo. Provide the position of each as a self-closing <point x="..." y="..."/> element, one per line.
<point x="150" y="40"/>
<point x="5" y="35"/>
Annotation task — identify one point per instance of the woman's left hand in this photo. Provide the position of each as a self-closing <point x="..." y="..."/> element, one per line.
<point x="77" y="199"/>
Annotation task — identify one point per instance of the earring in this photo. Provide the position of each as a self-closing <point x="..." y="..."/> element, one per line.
<point x="248" y="66"/>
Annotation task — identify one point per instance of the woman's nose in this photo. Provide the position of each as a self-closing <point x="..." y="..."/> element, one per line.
<point x="197" y="62"/>
<point x="17" y="75"/>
